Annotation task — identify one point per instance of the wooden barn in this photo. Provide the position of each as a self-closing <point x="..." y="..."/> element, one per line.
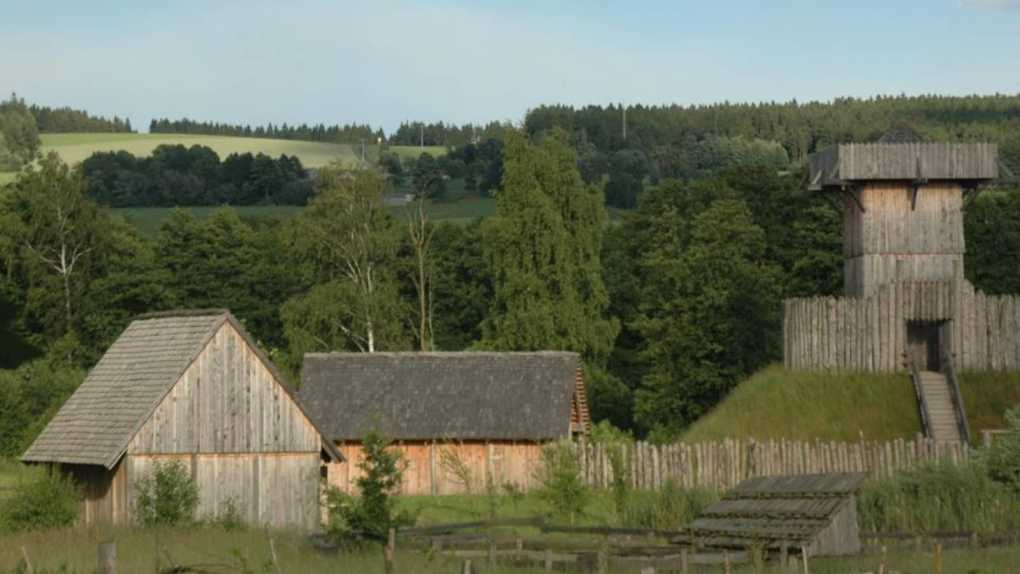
<point x="812" y="512"/>
<point x="190" y="387"/>
<point x="461" y="420"/>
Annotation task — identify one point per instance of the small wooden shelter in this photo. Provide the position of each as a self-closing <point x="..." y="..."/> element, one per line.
<point x="191" y="387"/>
<point x="462" y="420"/>
<point x="815" y="512"/>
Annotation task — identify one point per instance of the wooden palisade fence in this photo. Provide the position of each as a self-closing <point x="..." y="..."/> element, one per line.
<point x="724" y="464"/>
<point x="869" y="333"/>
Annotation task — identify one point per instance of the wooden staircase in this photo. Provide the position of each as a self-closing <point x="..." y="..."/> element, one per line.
<point x="942" y="419"/>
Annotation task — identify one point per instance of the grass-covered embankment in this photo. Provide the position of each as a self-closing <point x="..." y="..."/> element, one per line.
<point x="778" y="403"/>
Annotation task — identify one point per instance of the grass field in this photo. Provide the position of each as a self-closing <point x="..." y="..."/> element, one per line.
<point x="148" y="219"/>
<point x="777" y="403"/>
<point x="7" y="177"/>
<point x="74" y="148"/>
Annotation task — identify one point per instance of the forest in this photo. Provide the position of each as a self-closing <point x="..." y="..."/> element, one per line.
<point x="670" y="305"/>
<point x="177" y="175"/>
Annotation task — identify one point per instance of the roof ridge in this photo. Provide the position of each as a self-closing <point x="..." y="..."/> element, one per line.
<point x="170" y="313"/>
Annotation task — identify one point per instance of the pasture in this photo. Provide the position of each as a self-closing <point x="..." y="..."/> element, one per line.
<point x="74" y="148"/>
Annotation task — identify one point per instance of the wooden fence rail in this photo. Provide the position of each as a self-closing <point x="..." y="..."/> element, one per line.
<point x="724" y="464"/>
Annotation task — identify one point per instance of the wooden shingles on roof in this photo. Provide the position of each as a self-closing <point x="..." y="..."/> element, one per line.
<point x="95" y="425"/>
<point x="810" y="509"/>
<point x="446" y="396"/>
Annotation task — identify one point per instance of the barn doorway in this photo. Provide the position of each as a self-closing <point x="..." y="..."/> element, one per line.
<point x="924" y="344"/>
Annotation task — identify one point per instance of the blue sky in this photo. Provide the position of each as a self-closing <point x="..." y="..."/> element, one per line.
<point x="382" y="62"/>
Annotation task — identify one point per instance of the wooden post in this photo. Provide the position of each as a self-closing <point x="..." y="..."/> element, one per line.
<point x="391" y="549"/>
<point x="602" y="559"/>
<point x="548" y="560"/>
<point x="28" y="563"/>
<point x="107" y="558"/>
<point x="492" y="550"/>
<point x="804" y="559"/>
<point x="648" y="570"/>
<point x="937" y="566"/>
<point x="466" y="567"/>
<point x="272" y="554"/>
<point x="881" y="565"/>
<point x="727" y="567"/>
<point x="784" y="555"/>
<point x="683" y="561"/>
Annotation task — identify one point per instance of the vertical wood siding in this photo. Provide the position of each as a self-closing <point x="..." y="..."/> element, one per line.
<point x="280" y="490"/>
<point x="892" y="241"/>
<point x="501" y="462"/>
<point x="869" y="334"/>
<point x="226" y="402"/>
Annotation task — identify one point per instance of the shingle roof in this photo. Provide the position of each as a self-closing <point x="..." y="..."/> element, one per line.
<point x="776" y="509"/>
<point x="457" y="396"/>
<point x="98" y="421"/>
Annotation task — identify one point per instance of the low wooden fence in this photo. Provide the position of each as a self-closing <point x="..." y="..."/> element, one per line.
<point x="724" y="464"/>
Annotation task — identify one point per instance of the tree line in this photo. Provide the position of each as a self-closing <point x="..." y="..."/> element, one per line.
<point x="447" y="135"/>
<point x="192" y="176"/>
<point x="68" y="120"/>
<point x="346" y="133"/>
<point x="669" y="308"/>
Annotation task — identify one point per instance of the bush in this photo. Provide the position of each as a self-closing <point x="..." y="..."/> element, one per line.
<point x="939" y="497"/>
<point x="670" y="508"/>
<point x="368" y="517"/>
<point x="167" y="497"/>
<point x="40" y="500"/>
<point x="1003" y="458"/>
<point x="560" y="477"/>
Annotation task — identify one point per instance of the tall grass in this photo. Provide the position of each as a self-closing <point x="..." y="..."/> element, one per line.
<point x="670" y="508"/>
<point x="939" y="498"/>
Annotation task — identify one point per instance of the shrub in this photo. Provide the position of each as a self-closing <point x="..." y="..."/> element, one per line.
<point x="560" y="477"/>
<point x="167" y="497"/>
<point x="939" y="497"/>
<point x="368" y="517"/>
<point x="670" y="508"/>
<point x="40" y="500"/>
<point x="1003" y="457"/>
<point x="229" y="517"/>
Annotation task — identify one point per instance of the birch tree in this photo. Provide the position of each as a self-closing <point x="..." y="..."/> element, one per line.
<point x="349" y="240"/>
<point x="56" y="228"/>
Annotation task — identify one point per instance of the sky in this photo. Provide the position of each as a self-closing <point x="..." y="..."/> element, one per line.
<point x="383" y="62"/>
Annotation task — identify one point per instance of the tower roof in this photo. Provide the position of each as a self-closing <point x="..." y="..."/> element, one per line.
<point x="848" y="163"/>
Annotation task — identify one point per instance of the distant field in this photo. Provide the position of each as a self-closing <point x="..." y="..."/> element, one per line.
<point x="407" y="152"/>
<point x="74" y="148"/>
<point x="148" y="219"/>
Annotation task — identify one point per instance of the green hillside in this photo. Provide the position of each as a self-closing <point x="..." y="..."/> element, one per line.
<point x="74" y="148"/>
<point x="6" y="177"/>
<point x="779" y="403"/>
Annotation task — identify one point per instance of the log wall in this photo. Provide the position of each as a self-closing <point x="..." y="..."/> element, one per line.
<point x="724" y="464"/>
<point x="501" y="462"/>
<point x="870" y="333"/>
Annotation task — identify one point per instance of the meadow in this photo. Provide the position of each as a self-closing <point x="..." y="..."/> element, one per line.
<point x="75" y="147"/>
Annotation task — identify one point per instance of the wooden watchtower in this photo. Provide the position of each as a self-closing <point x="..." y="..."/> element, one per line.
<point x="907" y="305"/>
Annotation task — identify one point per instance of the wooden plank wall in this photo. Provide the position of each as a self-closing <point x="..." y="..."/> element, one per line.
<point x="724" y="464"/>
<point x="895" y="241"/>
<point x="280" y="490"/>
<point x="105" y="493"/>
<point x="869" y="334"/>
<point x="500" y="462"/>
<point x="226" y="402"/>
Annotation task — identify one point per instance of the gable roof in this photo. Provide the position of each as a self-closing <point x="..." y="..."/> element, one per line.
<point x="776" y="509"/>
<point x="95" y="425"/>
<point x="456" y="396"/>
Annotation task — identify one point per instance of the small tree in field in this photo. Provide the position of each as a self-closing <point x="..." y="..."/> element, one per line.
<point x="560" y="477"/>
<point x="368" y="517"/>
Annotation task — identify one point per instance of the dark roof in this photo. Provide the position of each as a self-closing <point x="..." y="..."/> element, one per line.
<point x="95" y="425"/>
<point x="456" y="396"/>
<point x="794" y="508"/>
<point x="847" y="163"/>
